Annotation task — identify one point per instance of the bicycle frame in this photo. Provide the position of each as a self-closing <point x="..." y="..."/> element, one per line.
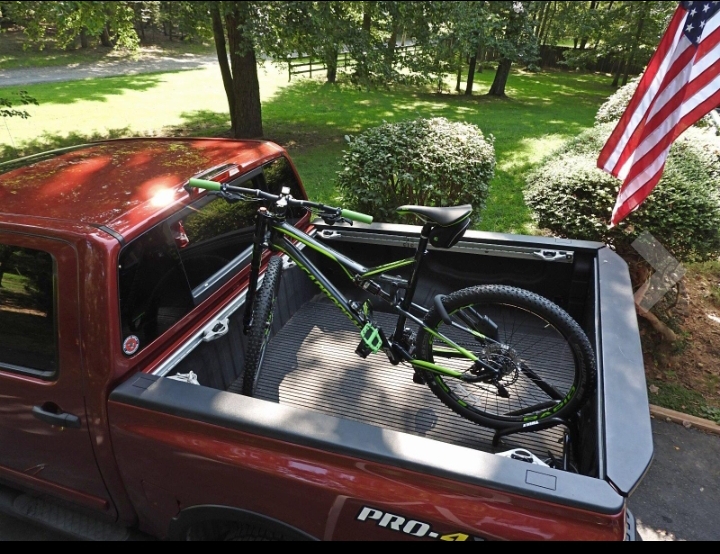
<point x="282" y="237"/>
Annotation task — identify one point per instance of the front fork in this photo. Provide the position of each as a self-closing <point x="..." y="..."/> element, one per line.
<point x="261" y="228"/>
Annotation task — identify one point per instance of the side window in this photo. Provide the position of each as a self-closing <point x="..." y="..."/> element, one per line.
<point x="166" y="272"/>
<point x="28" y="340"/>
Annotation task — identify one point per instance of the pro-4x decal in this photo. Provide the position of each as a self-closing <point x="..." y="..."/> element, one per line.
<point x="410" y="527"/>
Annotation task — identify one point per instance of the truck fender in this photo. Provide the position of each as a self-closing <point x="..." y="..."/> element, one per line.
<point x="190" y="517"/>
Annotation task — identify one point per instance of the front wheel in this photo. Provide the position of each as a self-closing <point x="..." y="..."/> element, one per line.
<point x="542" y="362"/>
<point x="259" y="334"/>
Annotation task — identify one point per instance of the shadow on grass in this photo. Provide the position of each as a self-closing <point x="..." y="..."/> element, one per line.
<point x="96" y="90"/>
<point x="537" y="104"/>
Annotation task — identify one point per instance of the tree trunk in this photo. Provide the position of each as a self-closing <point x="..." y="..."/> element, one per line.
<point x="105" y="37"/>
<point x="458" y="86"/>
<point x="331" y="62"/>
<point x="221" y="49"/>
<point x="618" y="73"/>
<point x="543" y="20"/>
<point x="245" y="83"/>
<point x="367" y="17"/>
<point x="501" y="78"/>
<point x="84" y="39"/>
<point x="478" y="57"/>
<point x="471" y="76"/>
<point x="636" y="46"/>
<point x="392" y="42"/>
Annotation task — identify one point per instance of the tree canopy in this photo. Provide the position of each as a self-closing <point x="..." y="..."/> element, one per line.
<point x="449" y="37"/>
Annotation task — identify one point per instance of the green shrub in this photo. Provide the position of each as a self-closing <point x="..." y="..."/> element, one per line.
<point x="612" y="110"/>
<point x="428" y="162"/>
<point x="572" y="198"/>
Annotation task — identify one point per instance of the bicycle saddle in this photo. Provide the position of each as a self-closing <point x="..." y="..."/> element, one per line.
<point x="444" y="217"/>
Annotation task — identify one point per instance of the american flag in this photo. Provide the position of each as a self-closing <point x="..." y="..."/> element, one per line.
<point x="680" y="86"/>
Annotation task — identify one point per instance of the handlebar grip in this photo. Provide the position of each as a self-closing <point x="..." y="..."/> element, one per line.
<point x="355" y="216"/>
<point x="207" y="185"/>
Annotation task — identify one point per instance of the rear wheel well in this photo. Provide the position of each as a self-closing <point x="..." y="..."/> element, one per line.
<point x="216" y="523"/>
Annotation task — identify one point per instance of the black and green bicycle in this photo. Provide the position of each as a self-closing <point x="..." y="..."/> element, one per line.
<point x="500" y="356"/>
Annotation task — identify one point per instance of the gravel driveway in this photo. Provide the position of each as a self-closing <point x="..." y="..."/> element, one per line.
<point x="107" y="68"/>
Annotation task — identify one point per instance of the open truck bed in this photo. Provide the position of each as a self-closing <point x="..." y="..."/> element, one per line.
<point x="315" y="393"/>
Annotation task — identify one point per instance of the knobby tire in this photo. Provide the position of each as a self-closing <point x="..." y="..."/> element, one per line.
<point x="548" y="352"/>
<point x="260" y="330"/>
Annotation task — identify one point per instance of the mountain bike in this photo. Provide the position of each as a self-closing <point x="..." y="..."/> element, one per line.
<point x="500" y="356"/>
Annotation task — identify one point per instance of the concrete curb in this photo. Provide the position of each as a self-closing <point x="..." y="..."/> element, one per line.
<point x="684" y="419"/>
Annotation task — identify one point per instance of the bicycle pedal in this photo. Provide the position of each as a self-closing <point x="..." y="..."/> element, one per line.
<point x="362" y="350"/>
<point x="372" y="339"/>
<point x="419" y="379"/>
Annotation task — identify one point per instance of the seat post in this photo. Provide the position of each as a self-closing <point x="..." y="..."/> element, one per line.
<point x="420" y="254"/>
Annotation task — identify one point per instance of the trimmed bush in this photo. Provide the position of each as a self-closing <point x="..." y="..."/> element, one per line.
<point x="613" y="109"/>
<point x="572" y="198"/>
<point x="427" y="162"/>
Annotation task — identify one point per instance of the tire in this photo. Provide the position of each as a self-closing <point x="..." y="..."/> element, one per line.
<point x="543" y="340"/>
<point x="259" y="334"/>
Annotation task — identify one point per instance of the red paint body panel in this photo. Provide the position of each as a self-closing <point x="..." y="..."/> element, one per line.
<point x="120" y="184"/>
<point x="66" y="197"/>
<point x="319" y="492"/>
<point x="34" y="453"/>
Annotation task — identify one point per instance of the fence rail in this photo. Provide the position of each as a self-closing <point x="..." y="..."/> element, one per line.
<point x="307" y="65"/>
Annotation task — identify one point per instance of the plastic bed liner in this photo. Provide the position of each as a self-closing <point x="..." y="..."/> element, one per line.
<point x="311" y="363"/>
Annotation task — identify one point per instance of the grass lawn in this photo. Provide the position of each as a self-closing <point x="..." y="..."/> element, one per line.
<point x="311" y="119"/>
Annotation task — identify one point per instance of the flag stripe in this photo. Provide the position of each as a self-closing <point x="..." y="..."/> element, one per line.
<point x="647" y="88"/>
<point x="667" y="129"/>
<point x="632" y="203"/>
<point x="680" y="86"/>
<point x="654" y="128"/>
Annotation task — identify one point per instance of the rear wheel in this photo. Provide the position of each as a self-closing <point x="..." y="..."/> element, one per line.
<point x="542" y="362"/>
<point x="259" y="335"/>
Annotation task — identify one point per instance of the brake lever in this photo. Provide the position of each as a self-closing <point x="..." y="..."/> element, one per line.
<point x="232" y="198"/>
<point x="332" y="220"/>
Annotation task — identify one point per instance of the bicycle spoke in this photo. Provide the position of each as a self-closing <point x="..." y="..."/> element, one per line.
<point x="542" y="385"/>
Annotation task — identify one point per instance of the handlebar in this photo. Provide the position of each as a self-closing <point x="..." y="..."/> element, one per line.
<point x="327" y="210"/>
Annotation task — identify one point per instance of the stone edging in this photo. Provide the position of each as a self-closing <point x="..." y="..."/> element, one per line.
<point x="684" y="419"/>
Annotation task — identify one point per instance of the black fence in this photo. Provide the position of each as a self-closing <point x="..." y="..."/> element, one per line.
<point x="550" y="57"/>
<point x="307" y="65"/>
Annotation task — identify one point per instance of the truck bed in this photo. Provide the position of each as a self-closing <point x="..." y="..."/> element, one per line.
<point x="311" y="368"/>
<point x="311" y="363"/>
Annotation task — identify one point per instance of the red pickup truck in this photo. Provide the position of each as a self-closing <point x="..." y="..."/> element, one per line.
<point x="121" y="301"/>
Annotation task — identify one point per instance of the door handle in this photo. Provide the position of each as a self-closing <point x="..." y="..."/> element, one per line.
<point x="50" y="413"/>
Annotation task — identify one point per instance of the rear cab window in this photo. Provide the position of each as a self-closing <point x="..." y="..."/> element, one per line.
<point x="165" y="273"/>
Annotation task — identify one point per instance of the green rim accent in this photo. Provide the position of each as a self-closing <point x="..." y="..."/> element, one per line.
<point x="441" y="384"/>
